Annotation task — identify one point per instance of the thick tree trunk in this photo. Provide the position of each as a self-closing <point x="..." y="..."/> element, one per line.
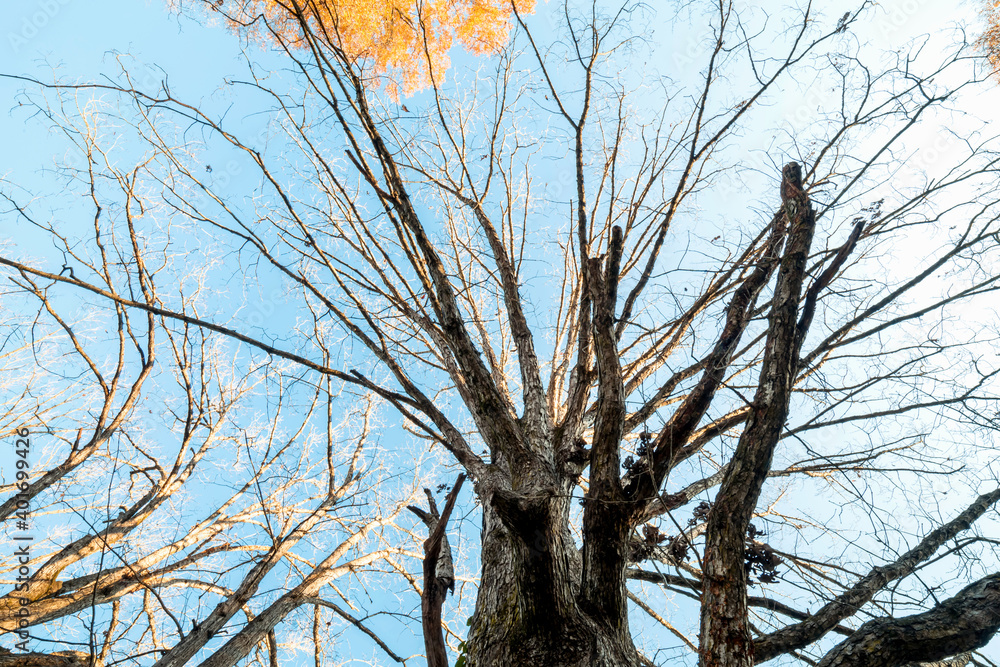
<point x="527" y="611"/>
<point x="540" y="601"/>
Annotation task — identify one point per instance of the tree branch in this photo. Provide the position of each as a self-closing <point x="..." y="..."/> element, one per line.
<point x="961" y="623"/>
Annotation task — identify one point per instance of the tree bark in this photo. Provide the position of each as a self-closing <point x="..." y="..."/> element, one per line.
<point x="961" y="623"/>
<point x="58" y="659"/>
<point x="437" y="579"/>
<point x="725" y="634"/>
<point x="527" y="610"/>
<point x="958" y="661"/>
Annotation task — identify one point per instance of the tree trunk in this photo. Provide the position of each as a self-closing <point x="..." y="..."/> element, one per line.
<point x="57" y="659"/>
<point x="527" y="611"/>
<point x="726" y="640"/>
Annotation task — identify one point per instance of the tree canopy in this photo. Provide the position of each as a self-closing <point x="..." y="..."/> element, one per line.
<point x="404" y="43"/>
<point x="699" y="299"/>
<point x="989" y="39"/>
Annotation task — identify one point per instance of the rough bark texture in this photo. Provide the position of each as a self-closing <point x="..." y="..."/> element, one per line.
<point x="958" y="661"/>
<point x="964" y="622"/>
<point x="527" y="612"/>
<point x="848" y="603"/>
<point x="725" y="634"/>
<point x="58" y="659"/>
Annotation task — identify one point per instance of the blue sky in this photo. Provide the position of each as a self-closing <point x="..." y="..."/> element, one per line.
<point x="76" y="40"/>
<point x="79" y="41"/>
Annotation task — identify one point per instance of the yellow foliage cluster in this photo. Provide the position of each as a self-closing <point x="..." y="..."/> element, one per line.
<point x="402" y="41"/>
<point x="989" y="41"/>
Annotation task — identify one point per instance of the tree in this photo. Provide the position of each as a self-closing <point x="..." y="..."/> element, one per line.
<point x="989" y="40"/>
<point x="683" y="358"/>
<point x="407" y="43"/>
<point x="162" y="468"/>
<point x="134" y="558"/>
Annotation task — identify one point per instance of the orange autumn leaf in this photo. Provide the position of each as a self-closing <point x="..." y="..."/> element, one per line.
<point x="400" y="42"/>
<point x="989" y="41"/>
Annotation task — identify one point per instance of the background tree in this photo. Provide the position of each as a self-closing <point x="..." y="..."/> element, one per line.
<point x="989" y="39"/>
<point x="183" y="499"/>
<point x="734" y="378"/>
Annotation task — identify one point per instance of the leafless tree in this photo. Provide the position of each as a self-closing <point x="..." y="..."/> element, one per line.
<point x="691" y="391"/>
<point x="172" y="483"/>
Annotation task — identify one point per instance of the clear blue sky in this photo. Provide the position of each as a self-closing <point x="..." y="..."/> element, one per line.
<point x="77" y="39"/>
